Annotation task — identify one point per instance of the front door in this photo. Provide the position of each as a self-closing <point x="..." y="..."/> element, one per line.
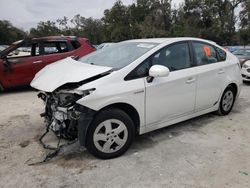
<point x="171" y="97"/>
<point x="19" y="66"/>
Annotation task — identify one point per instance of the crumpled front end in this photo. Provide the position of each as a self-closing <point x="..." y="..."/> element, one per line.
<point x="63" y="116"/>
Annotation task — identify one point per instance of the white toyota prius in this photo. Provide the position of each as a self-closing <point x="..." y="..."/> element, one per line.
<point x="133" y="87"/>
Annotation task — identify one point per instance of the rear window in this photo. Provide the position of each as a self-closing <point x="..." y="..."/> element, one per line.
<point x="55" y="47"/>
<point x="75" y="44"/>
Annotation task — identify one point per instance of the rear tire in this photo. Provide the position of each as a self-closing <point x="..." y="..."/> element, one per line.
<point x="110" y="134"/>
<point x="227" y="101"/>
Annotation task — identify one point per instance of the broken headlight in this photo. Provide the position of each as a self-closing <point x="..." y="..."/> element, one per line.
<point x="68" y="98"/>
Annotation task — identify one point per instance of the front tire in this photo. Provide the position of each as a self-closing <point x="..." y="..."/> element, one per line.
<point x="227" y="101"/>
<point x="110" y="134"/>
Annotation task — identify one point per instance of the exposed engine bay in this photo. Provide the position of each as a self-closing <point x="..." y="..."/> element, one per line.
<point x="62" y="116"/>
<point x="60" y="113"/>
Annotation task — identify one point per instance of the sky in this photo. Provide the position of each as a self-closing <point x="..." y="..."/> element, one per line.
<point x="27" y="13"/>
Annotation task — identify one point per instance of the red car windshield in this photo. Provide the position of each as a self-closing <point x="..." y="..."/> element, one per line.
<point x="12" y="47"/>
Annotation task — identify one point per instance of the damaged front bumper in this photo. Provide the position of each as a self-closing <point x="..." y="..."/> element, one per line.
<point x="66" y="118"/>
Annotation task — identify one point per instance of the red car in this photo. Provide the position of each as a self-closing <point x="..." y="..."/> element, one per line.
<point x="31" y="55"/>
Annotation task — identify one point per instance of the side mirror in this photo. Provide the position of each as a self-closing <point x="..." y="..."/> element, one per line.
<point x="158" y="71"/>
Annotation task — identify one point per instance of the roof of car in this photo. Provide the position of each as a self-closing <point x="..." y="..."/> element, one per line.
<point x="56" y="38"/>
<point x="162" y="40"/>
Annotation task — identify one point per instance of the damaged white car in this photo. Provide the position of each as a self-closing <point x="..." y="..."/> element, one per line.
<point x="136" y="86"/>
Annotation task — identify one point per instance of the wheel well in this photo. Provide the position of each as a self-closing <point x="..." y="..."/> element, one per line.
<point x="130" y="110"/>
<point x="234" y="86"/>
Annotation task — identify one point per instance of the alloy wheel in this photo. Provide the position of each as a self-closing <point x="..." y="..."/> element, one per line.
<point x="110" y="136"/>
<point x="227" y="100"/>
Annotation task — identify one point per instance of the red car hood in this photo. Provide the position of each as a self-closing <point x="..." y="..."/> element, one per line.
<point x="65" y="71"/>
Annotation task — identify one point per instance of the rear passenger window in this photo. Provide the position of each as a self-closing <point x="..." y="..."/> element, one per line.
<point x="55" y="47"/>
<point x="205" y="53"/>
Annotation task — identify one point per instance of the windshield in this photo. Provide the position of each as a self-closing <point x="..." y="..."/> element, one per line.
<point x="10" y="48"/>
<point x="118" y="55"/>
<point x="245" y="52"/>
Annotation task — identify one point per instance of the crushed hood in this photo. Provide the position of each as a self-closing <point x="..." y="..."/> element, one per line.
<point x="65" y="71"/>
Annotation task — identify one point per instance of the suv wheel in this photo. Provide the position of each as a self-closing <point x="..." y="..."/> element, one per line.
<point x="227" y="101"/>
<point x="110" y="134"/>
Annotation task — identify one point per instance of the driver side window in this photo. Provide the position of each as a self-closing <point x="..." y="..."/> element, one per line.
<point x="175" y="57"/>
<point x="26" y="50"/>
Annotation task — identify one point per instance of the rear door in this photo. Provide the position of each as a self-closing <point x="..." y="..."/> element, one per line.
<point x="211" y="68"/>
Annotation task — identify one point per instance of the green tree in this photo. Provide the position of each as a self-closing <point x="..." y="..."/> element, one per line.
<point x="47" y="28"/>
<point x="245" y="15"/>
<point x="157" y="23"/>
<point x="245" y="23"/>
<point x="63" y="26"/>
<point x="210" y="19"/>
<point x="9" y="33"/>
<point x="116" y="23"/>
<point x="88" y="27"/>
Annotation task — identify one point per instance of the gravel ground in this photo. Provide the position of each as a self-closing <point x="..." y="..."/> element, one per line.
<point x="208" y="151"/>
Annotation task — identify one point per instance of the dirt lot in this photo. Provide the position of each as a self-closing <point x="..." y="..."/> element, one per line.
<point x="208" y="151"/>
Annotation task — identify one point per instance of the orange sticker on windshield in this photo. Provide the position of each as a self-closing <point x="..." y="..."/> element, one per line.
<point x="207" y="51"/>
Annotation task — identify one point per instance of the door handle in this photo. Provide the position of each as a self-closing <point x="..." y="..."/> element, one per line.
<point x="190" y="80"/>
<point x="39" y="61"/>
<point x="221" y="71"/>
